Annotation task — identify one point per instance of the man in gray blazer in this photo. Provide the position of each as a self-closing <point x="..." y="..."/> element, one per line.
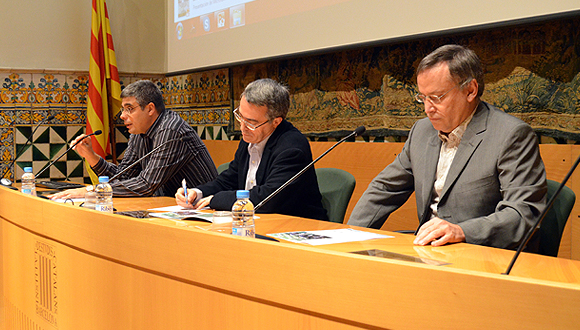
<point x="476" y="171"/>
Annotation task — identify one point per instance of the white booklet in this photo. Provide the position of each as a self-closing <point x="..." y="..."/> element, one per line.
<point x="185" y="214"/>
<point x="321" y="237"/>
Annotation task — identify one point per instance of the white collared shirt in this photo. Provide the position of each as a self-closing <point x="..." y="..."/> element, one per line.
<point x="255" y="150"/>
<point x="446" y="155"/>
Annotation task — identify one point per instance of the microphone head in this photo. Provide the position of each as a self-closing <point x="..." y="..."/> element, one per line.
<point x="359" y="130"/>
<point x="186" y="138"/>
<point x="51" y="117"/>
<point x="97" y="132"/>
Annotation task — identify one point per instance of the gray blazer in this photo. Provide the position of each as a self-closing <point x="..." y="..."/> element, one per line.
<point x="495" y="189"/>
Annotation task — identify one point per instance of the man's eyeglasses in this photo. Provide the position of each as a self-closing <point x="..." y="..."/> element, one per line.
<point x="250" y="126"/>
<point x="128" y="110"/>
<point x="434" y="99"/>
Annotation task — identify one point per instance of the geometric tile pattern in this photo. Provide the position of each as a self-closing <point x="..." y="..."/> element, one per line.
<point x="48" y="144"/>
<point x="27" y="99"/>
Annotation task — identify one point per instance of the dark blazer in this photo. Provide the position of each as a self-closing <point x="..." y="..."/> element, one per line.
<point x="495" y="189"/>
<point x="286" y="153"/>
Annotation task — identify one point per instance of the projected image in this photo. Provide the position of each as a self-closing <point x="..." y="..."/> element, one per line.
<point x="198" y="17"/>
<point x="182" y="8"/>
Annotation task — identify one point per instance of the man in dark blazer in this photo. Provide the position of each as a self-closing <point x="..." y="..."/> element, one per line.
<point x="475" y="170"/>
<point x="271" y="152"/>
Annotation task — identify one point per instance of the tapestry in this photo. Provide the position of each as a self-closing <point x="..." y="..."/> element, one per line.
<point x="532" y="72"/>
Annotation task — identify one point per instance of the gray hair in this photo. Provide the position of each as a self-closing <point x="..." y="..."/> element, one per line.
<point x="463" y="64"/>
<point x="145" y="92"/>
<point x="269" y="93"/>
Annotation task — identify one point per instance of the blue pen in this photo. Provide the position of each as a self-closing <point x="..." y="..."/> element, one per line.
<point x="184" y="184"/>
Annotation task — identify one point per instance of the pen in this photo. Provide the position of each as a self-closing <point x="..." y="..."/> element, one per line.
<point x="184" y="184"/>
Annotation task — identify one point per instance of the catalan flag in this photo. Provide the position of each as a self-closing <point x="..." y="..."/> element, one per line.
<point x="104" y="97"/>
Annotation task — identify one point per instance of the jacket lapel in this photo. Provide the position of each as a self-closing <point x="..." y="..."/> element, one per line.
<point x="431" y="159"/>
<point x="471" y="139"/>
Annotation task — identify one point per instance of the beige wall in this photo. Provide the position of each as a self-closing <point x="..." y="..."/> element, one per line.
<point x="55" y="34"/>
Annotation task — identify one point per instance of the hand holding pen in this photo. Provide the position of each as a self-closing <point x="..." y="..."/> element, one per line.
<point x="184" y="185"/>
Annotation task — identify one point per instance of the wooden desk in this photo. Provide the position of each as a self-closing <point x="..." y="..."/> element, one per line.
<point x="65" y="267"/>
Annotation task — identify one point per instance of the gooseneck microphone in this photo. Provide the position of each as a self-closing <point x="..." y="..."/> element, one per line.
<point x="182" y="139"/>
<point x="357" y="132"/>
<point x="7" y="182"/>
<point x="541" y="217"/>
<point x="99" y="132"/>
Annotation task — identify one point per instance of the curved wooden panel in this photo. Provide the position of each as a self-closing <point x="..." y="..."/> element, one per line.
<point x="69" y="268"/>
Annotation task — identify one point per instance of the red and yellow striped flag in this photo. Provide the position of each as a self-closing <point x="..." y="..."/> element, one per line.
<point x="104" y="97"/>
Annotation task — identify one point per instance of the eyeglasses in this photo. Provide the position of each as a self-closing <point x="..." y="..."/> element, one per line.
<point x="434" y="99"/>
<point x="250" y="126"/>
<point x="128" y="110"/>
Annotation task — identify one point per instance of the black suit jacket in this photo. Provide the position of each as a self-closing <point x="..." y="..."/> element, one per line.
<point x="286" y="153"/>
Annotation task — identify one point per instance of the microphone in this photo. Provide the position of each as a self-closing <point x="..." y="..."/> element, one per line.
<point x="541" y="217"/>
<point x="357" y="132"/>
<point x="7" y="182"/>
<point x="99" y="132"/>
<point x="182" y="139"/>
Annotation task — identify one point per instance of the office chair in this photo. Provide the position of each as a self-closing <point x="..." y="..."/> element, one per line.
<point x="336" y="187"/>
<point x="552" y="226"/>
<point x="223" y="167"/>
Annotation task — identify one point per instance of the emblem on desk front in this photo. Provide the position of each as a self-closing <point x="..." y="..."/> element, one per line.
<point x="45" y="277"/>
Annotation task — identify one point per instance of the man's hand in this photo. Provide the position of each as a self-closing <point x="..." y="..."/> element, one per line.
<point x="69" y="193"/>
<point x="85" y="149"/>
<point x="203" y="202"/>
<point x="439" y="232"/>
<point x="191" y="197"/>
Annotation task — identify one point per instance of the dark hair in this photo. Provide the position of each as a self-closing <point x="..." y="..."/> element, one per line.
<point x="145" y="92"/>
<point x="271" y="94"/>
<point x="463" y="64"/>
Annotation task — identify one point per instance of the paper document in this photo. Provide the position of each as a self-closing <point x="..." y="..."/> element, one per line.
<point x="186" y="214"/>
<point x="321" y="237"/>
<point x="174" y="208"/>
<point x="75" y="201"/>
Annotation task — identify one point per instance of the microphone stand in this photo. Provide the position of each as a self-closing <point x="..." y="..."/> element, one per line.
<point x="541" y="217"/>
<point x="64" y="153"/>
<point x="185" y="138"/>
<point x="356" y="132"/>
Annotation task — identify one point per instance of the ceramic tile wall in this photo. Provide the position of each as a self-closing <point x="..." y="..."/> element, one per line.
<point x="28" y="99"/>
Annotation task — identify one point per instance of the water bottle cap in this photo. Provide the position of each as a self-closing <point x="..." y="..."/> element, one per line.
<point x="242" y="194"/>
<point x="103" y="178"/>
<point x="28" y="169"/>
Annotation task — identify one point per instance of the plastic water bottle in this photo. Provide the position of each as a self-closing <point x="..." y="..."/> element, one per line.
<point x="243" y="215"/>
<point x="104" y="194"/>
<point x="28" y="182"/>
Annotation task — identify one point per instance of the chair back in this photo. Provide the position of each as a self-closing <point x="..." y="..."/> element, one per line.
<point x="223" y="167"/>
<point x="553" y="224"/>
<point x="336" y="187"/>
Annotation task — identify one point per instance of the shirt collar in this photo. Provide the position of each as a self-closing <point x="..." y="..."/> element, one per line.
<point x="155" y="124"/>
<point x="260" y="146"/>
<point x="453" y="138"/>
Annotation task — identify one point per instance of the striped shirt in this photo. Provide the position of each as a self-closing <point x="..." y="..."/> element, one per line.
<point x="161" y="173"/>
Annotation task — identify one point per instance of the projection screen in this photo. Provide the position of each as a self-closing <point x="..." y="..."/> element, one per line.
<point x="204" y="34"/>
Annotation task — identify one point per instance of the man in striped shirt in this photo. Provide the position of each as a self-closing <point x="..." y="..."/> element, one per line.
<point x="150" y="125"/>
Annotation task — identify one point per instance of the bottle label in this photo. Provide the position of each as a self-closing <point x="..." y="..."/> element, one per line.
<point x="27" y="191"/>
<point x="104" y="208"/>
<point x="243" y="231"/>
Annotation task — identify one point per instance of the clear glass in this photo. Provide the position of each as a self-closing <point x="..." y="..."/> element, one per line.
<point x="90" y="198"/>
<point x="222" y="222"/>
